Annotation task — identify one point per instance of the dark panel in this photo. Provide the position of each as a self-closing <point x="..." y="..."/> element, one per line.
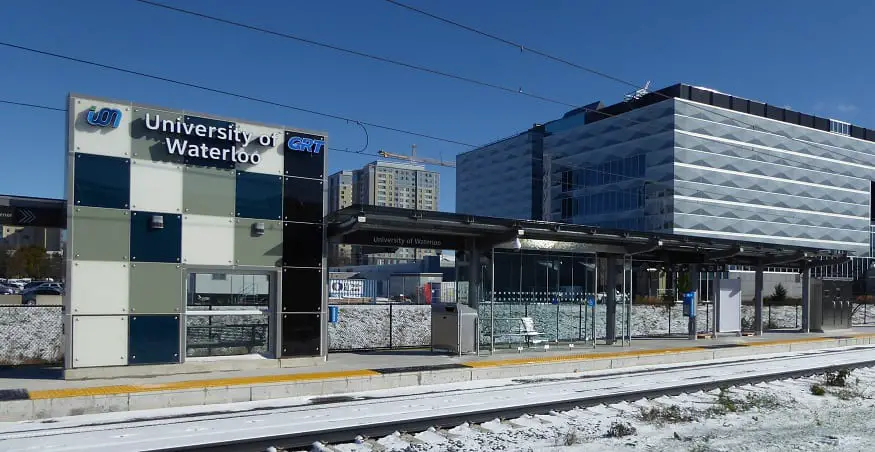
<point x="153" y="339"/>
<point x="700" y="95"/>
<point x="721" y="100"/>
<point x="302" y="245"/>
<point x="791" y="116"/>
<point x="739" y="104"/>
<point x="858" y="132"/>
<point x="259" y="196"/>
<point x="149" y="244"/>
<point x="870" y="134"/>
<point x="806" y="120"/>
<point x="7" y="395"/>
<point x="821" y="123"/>
<point x="210" y="143"/>
<point x="673" y="90"/>
<point x="431" y="368"/>
<point x="302" y="290"/>
<point x="871" y="203"/>
<point x="304" y="155"/>
<point x="756" y="108"/>
<point x="34" y="216"/>
<point x="302" y="200"/>
<point x="537" y="174"/>
<point x="684" y="92"/>
<point x="773" y="112"/>
<point x="101" y="181"/>
<point x="405" y="239"/>
<point x="301" y="335"/>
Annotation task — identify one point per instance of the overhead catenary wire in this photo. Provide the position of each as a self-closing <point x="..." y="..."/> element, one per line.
<point x="597" y="189"/>
<point x="231" y="93"/>
<point x="347" y="51"/>
<point x="246" y="97"/>
<point x="587" y="69"/>
<point x="64" y="110"/>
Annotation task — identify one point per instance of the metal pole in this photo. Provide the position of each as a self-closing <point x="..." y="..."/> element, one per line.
<point x="595" y="296"/>
<point x="491" y="307"/>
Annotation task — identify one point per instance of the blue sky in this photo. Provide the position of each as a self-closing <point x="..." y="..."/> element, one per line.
<point x="807" y="55"/>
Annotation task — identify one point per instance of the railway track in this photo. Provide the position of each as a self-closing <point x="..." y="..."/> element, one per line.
<point x="256" y="426"/>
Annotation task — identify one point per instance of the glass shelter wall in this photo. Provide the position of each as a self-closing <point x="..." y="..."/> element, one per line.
<point x="553" y="291"/>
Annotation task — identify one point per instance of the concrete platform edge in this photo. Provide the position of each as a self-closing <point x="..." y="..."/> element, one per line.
<point x="187" y="394"/>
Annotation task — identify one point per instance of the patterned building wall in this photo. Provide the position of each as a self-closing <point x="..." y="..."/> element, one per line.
<point x="615" y="173"/>
<point x="739" y="176"/>
<point x="126" y="296"/>
<point x="496" y="180"/>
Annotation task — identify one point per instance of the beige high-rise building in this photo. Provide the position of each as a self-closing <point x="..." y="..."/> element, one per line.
<point x="340" y="195"/>
<point x="403" y="185"/>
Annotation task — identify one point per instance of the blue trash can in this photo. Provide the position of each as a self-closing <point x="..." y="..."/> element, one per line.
<point x="333" y="312"/>
<point x="690" y="304"/>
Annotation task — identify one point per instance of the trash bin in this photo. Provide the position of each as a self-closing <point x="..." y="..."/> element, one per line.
<point x="333" y="312"/>
<point x="690" y="304"/>
<point x="446" y="320"/>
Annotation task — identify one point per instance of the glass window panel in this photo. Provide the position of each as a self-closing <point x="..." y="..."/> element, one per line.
<point x="227" y="335"/>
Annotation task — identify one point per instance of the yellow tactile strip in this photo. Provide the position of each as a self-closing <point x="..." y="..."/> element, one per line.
<point x="316" y="376"/>
<point x="196" y="384"/>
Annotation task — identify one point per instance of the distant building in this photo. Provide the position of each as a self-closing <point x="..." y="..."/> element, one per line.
<point x="15" y="237"/>
<point x="389" y="184"/>
<point x="687" y="160"/>
<point x="340" y="195"/>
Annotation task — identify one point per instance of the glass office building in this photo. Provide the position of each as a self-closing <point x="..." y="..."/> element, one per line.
<point x="694" y="161"/>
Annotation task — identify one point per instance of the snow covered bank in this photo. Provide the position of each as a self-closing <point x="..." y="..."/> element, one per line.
<point x="776" y="416"/>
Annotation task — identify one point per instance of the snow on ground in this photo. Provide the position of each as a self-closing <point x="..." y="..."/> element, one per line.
<point x="374" y="326"/>
<point x="776" y="416"/>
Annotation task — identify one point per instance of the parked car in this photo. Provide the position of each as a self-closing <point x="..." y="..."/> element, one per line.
<point x="6" y="290"/>
<point x="29" y="295"/>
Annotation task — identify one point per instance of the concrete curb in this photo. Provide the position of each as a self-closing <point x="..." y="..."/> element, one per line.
<point x="71" y="402"/>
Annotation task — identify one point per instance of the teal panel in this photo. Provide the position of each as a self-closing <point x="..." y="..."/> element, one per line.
<point x="100" y="234"/>
<point x="149" y="144"/>
<point x="208" y="191"/>
<point x="156" y="288"/>
<point x="251" y="249"/>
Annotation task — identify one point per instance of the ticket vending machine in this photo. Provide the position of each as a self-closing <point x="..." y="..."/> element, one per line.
<point x="831" y="305"/>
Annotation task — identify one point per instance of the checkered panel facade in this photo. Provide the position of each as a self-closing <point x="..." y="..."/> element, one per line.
<point x="140" y="217"/>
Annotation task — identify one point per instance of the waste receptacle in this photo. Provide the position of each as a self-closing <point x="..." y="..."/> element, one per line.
<point x="446" y="321"/>
<point x="333" y="312"/>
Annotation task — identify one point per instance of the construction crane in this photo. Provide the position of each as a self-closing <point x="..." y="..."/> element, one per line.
<point x="414" y="159"/>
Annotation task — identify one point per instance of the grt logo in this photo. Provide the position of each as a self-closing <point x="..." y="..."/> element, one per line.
<point x="301" y="144"/>
<point x="104" y="117"/>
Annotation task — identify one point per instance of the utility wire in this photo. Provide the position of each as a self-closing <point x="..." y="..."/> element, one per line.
<point x="232" y="94"/>
<point x="596" y="72"/>
<point x="666" y="185"/>
<point x="64" y="110"/>
<point x="22" y="104"/>
<point x="356" y="53"/>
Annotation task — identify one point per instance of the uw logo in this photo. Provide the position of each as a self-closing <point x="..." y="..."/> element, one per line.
<point x="104" y="117"/>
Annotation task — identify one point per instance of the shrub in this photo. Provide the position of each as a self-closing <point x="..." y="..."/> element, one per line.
<point x="672" y="414"/>
<point x="837" y="378"/>
<point x="620" y="429"/>
<point x="818" y="390"/>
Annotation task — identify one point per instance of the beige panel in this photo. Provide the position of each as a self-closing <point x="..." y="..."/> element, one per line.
<point x="100" y="341"/>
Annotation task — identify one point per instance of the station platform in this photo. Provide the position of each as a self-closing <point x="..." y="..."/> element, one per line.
<point x="27" y="394"/>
